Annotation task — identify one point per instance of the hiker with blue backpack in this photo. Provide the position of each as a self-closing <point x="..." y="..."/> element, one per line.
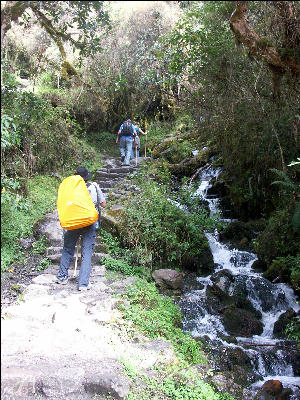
<point x="126" y="133"/>
<point x="135" y="153"/>
<point x="79" y="211"/>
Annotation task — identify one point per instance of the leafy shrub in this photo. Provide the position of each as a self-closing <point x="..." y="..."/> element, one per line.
<point x="154" y="224"/>
<point x="278" y="239"/>
<point x="287" y="269"/>
<point x="37" y="136"/>
<point x="18" y="223"/>
<point x="157" y="315"/>
<point x="121" y="265"/>
<point x="292" y="331"/>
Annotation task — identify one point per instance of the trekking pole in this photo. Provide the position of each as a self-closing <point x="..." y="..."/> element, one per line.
<point x="76" y="259"/>
<point x="135" y="155"/>
<point x="146" y="136"/>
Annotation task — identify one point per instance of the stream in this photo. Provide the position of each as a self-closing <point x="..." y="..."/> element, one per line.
<point x="252" y="344"/>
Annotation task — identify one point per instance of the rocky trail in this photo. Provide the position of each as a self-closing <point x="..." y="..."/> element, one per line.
<point x="59" y="343"/>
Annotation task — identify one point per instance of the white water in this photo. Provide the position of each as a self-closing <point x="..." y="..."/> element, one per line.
<point x="239" y="263"/>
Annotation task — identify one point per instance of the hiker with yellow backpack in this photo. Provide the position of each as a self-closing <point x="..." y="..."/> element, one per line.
<point x="77" y="204"/>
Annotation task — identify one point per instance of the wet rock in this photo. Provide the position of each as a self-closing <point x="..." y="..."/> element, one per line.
<point x="273" y="390"/>
<point x="282" y="322"/>
<point x="218" y="189"/>
<point x="240" y="322"/>
<point x="217" y="300"/>
<point x="190" y="282"/>
<point x="259" y="265"/>
<point x="233" y="357"/>
<point x="202" y="263"/>
<point x="229" y="339"/>
<point x="223" y="279"/>
<point x="264" y="291"/>
<point x="168" y="278"/>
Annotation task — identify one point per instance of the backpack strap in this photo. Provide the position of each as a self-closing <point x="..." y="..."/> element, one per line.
<point x="98" y="208"/>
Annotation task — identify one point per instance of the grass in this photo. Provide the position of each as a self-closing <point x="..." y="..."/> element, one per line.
<point x="19" y="222"/>
<point x="157" y="316"/>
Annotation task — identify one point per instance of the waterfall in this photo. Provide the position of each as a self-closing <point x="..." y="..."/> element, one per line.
<point x="233" y="273"/>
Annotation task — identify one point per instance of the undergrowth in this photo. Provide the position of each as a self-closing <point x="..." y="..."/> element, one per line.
<point x="158" y="316"/>
<point x="19" y="215"/>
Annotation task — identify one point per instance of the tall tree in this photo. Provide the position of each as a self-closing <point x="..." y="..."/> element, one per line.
<point x="78" y="22"/>
<point x="282" y="57"/>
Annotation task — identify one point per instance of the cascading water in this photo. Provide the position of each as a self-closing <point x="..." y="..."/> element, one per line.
<point x="270" y="358"/>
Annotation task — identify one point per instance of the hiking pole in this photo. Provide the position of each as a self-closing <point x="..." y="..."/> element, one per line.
<point x="135" y="155"/>
<point x="146" y="136"/>
<point x="76" y="259"/>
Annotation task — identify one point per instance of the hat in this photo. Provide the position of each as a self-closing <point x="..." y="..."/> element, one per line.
<point x="84" y="173"/>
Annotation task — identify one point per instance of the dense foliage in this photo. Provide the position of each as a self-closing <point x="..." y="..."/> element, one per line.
<point x="65" y="79"/>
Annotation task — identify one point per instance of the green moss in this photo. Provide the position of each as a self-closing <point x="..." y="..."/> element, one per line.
<point x="67" y="70"/>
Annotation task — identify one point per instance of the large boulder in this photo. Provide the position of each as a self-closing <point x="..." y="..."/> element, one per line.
<point x="111" y="218"/>
<point x="168" y="278"/>
<point x="273" y="390"/>
<point x="240" y="322"/>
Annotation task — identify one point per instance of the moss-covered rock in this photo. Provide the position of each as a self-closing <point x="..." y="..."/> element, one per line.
<point x="202" y="263"/>
<point x="190" y="165"/>
<point x="240" y="322"/>
<point x="282" y="322"/>
<point x="111" y="219"/>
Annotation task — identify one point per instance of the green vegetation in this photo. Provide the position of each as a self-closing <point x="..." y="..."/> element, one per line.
<point x="19" y="214"/>
<point x="159" y="231"/>
<point x="157" y="316"/>
<point x="172" y="382"/>
<point x="174" y="67"/>
<point x="292" y="331"/>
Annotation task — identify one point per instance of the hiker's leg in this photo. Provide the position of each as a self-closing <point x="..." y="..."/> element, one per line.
<point x="88" y="243"/>
<point x="122" y="146"/>
<point x="138" y="152"/>
<point x="132" y="156"/>
<point x="70" y="239"/>
<point x="129" y="142"/>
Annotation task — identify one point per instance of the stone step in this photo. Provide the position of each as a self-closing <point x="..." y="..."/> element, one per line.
<point x="122" y="170"/>
<point x="109" y="175"/>
<point x="96" y="257"/>
<point x="106" y="184"/>
<point x="99" y="248"/>
<point x="97" y="270"/>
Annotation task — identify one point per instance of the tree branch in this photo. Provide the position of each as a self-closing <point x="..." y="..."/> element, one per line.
<point x="260" y="47"/>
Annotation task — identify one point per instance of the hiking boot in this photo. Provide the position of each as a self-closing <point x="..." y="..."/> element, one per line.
<point x="61" y="281"/>
<point x="84" y="288"/>
<point x="122" y="158"/>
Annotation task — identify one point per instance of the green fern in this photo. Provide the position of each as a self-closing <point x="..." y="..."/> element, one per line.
<point x="286" y="182"/>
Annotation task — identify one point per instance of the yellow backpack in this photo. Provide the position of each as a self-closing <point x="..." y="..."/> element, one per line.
<point x="74" y="204"/>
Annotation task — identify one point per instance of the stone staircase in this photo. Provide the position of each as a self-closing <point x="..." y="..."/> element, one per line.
<point x="112" y="178"/>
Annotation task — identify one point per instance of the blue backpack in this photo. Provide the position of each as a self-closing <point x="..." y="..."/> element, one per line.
<point x="127" y="129"/>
